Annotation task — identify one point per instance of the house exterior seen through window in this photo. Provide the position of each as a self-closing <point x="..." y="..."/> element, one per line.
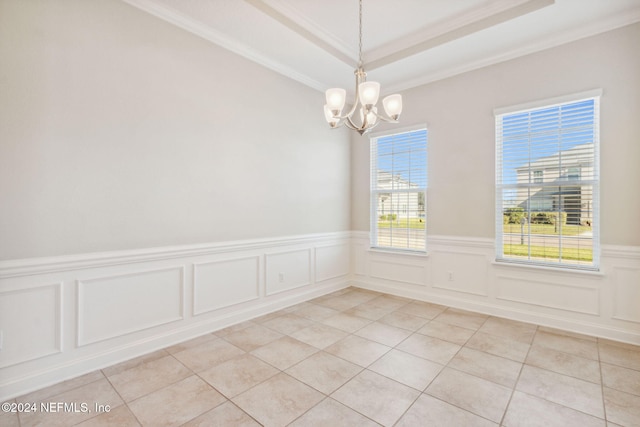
<point x="398" y="190"/>
<point x="547" y="184"/>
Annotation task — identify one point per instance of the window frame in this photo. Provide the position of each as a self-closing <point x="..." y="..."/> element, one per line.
<point x="595" y="181"/>
<point x="373" y="211"/>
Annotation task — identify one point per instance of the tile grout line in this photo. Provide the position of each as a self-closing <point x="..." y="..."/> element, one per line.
<point x="515" y="384"/>
<point x="390" y="348"/>
<point x="124" y="402"/>
<point x="450" y="367"/>
<point x="604" y="405"/>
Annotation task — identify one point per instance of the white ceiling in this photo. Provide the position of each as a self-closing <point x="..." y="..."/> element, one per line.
<point x="406" y="43"/>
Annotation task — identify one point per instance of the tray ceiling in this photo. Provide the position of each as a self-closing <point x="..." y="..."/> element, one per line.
<point x="406" y="43"/>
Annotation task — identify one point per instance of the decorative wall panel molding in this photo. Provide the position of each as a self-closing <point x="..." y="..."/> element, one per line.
<point x="183" y="292"/>
<point x="462" y="273"/>
<point x="65" y="316"/>
<point x="287" y="270"/>
<point x="626" y="294"/>
<point x="31" y="322"/>
<point x="31" y="266"/>
<point x="220" y="284"/>
<point x="112" y="306"/>
<point x="389" y="269"/>
<point x="332" y="261"/>
<point x="359" y="258"/>
<point x="548" y="294"/>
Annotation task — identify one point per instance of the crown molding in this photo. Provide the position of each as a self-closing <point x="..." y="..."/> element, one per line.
<point x="472" y="22"/>
<point x="612" y="23"/>
<point x="307" y="29"/>
<point x="193" y="26"/>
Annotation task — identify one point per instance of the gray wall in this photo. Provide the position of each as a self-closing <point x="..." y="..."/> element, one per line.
<point x="459" y="115"/>
<point x="121" y="131"/>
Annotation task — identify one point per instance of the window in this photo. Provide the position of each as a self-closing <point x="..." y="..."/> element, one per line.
<point x="550" y="218"/>
<point x="537" y="176"/>
<point x="398" y="190"/>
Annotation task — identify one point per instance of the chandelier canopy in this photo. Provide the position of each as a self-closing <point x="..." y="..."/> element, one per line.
<point x="366" y="94"/>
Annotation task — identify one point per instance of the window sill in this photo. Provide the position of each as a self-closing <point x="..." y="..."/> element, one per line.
<point x="547" y="268"/>
<point x="399" y="252"/>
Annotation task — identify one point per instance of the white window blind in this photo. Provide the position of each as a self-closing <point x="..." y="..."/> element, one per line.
<point x="547" y="184"/>
<point x="398" y="190"/>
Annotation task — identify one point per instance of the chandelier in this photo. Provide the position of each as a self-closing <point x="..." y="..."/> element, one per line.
<point x="366" y="94"/>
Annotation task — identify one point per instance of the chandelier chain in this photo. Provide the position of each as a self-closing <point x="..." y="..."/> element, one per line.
<point x="360" y="37"/>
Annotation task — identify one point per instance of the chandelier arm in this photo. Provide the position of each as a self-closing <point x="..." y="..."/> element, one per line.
<point x="350" y="113"/>
<point x="374" y="125"/>
<point x="385" y="118"/>
<point x="350" y="124"/>
<point x="360" y="76"/>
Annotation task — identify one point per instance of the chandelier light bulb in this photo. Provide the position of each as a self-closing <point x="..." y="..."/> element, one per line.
<point x="336" y="98"/>
<point x="372" y="118"/>
<point x="369" y="92"/>
<point x="331" y="119"/>
<point x="393" y="105"/>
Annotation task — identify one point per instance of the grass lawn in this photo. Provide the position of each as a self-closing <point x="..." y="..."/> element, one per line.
<point x="414" y="223"/>
<point x="581" y="254"/>
<point x="567" y="229"/>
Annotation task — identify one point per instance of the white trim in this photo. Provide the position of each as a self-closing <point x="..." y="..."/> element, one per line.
<point x="59" y="318"/>
<point x="548" y="102"/>
<point x="194" y="300"/>
<point x="206" y="32"/>
<point x="81" y="284"/>
<point x="309" y="277"/>
<point x="329" y="43"/>
<point x="397" y="131"/>
<point x="307" y="29"/>
<point x="619" y="251"/>
<point x="611" y="322"/>
<point x="564" y="268"/>
<point x="404" y="252"/>
<point x="452" y="29"/>
<point x="346" y="247"/>
<point x="29" y="266"/>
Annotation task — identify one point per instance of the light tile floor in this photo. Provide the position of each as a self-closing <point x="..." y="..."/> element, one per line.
<point x="361" y="358"/>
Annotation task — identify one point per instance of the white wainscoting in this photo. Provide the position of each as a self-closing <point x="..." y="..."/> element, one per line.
<point x="65" y="316"/>
<point x="332" y="261"/>
<point x="26" y="312"/>
<point x="462" y="273"/>
<point x="286" y="270"/>
<point x="132" y="302"/>
<point x="223" y="283"/>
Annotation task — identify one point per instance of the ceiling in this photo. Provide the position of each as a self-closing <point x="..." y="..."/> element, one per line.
<point x="406" y="43"/>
